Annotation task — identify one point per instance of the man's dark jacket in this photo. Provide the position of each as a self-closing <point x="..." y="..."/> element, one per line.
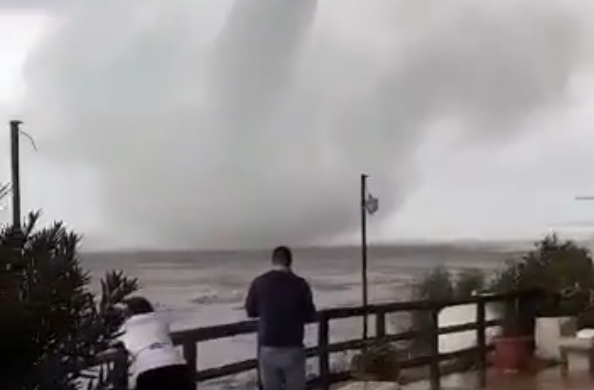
<point x="283" y="303"/>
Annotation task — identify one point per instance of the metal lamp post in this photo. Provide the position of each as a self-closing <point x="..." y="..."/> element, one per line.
<point x="369" y="205"/>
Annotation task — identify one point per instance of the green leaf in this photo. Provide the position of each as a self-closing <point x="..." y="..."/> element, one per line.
<point x="56" y="324"/>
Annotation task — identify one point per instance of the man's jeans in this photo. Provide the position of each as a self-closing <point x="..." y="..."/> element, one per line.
<point x="282" y="368"/>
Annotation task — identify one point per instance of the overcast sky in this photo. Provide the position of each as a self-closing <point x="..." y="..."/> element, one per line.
<point x="517" y="186"/>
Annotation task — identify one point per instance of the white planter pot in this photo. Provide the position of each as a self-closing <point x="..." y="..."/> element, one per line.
<point x="548" y="333"/>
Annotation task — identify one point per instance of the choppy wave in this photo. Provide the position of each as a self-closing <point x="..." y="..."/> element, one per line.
<point x="218" y="297"/>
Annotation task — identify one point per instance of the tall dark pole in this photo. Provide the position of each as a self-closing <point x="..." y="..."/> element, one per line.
<point x="15" y="170"/>
<point x="364" y="252"/>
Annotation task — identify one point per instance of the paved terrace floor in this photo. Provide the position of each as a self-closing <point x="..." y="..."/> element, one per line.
<point x="549" y="379"/>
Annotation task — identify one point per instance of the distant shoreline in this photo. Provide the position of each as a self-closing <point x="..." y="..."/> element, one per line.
<point x="405" y="246"/>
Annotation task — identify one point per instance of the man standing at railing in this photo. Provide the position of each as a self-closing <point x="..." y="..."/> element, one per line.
<point x="283" y="303"/>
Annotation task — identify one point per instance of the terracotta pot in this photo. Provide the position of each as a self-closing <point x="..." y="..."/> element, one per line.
<point x="513" y="354"/>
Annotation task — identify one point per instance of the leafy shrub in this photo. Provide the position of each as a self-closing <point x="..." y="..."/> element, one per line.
<point x="378" y="361"/>
<point x="468" y="282"/>
<point x="561" y="269"/>
<point x="555" y="267"/>
<point x="53" y="325"/>
<point x="436" y="284"/>
<point x="439" y="284"/>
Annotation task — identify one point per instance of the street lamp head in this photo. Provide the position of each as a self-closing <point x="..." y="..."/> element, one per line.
<point x="371" y="204"/>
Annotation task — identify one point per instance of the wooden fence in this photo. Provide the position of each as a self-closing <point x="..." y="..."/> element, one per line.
<point x="189" y="340"/>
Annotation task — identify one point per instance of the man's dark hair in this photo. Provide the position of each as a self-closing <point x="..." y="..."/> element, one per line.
<point x="282" y="256"/>
<point x="138" y="305"/>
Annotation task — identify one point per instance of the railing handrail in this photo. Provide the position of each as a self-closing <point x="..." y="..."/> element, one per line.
<point x="231" y="329"/>
<point x="189" y="338"/>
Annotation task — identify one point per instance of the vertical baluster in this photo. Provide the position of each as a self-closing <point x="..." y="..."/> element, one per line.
<point x="481" y="342"/>
<point x="190" y="352"/>
<point x="434" y="371"/>
<point x="380" y="324"/>
<point x="323" y="355"/>
<point x="120" y="370"/>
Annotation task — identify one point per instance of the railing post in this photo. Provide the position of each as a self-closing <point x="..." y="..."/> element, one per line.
<point x="190" y="352"/>
<point x="529" y="304"/>
<point x="434" y="371"/>
<point x="323" y="354"/>
<point x="120" y="370"/>
<point x="380" y="324"/>
<point x="481" y="341"/>
<point x="259" y="383"/>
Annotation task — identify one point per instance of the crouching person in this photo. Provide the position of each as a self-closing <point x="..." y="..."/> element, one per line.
<point x="155" y="363"/>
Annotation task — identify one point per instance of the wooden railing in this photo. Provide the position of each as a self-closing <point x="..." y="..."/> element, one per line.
<point x="190" y="339"/>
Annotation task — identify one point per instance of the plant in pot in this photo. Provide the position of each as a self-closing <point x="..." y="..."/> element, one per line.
<point x="377" y="361"/>
<point x="562" y="270"/>
<point x="514" y="346"/>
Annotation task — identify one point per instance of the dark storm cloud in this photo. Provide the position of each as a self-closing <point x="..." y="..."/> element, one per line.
<point x="257" y="134"/>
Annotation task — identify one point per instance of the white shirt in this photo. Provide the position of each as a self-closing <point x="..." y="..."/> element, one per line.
<point x="146" y="338"/>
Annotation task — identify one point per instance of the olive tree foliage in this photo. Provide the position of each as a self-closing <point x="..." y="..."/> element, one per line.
<point x="53" y="325"/>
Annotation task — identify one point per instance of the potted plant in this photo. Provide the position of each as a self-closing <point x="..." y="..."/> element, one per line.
<point x="376" y="362"/>
<point x="514" y="346"/>
<point x="563" y="270"/>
